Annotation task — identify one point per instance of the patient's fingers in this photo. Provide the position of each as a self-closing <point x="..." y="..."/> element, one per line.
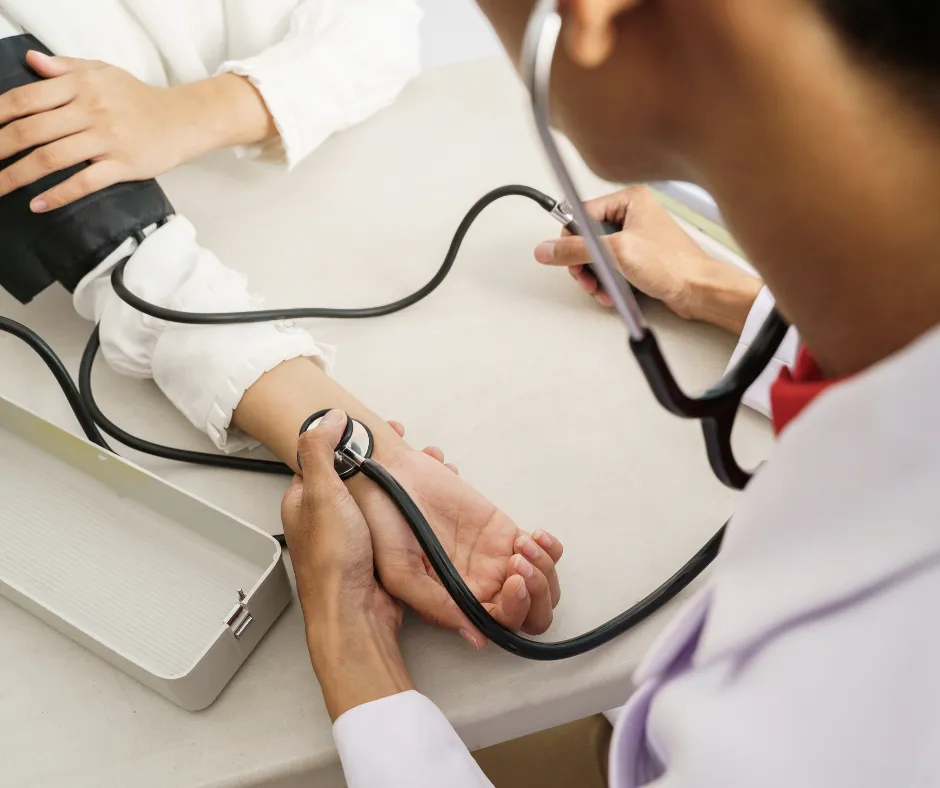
<point x="540" y="614"/>
<point x="437" y="454"/>
<point x="526" y="547"/>
<point x="512" y="605"/>
<point x="398" y="427"/>
<point x="550" y="544"/>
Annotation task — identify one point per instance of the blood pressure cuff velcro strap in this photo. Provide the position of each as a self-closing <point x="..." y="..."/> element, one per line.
<point x="65" y="244"/>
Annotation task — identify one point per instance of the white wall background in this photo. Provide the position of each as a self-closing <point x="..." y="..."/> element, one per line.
<point x="455" y="31"/>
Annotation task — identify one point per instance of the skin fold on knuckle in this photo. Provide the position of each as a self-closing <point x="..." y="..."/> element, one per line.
<point x="45" y="160"/>
<point x="619" y="246"/>
<point x="77" y="187"/>
<point x="21" y="100"/>
<point x="319" y="502"/>
<point x="20" y="135"/>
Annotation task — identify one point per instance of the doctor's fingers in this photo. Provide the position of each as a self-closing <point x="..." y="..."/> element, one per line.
<point x="431" y="451"/>
<point x="437" y="454"/>
<point x="572" y="250"/>
<point x="323" y="491"/>
<point x="590" y="285"/>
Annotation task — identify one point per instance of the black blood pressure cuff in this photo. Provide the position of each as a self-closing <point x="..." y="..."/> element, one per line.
<point x="65" y="244"/>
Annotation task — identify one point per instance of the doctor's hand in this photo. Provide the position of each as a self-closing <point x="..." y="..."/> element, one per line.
<point x="660" y="259"/>
<point x="86" y="111"/>
<point x="351" y="623"/>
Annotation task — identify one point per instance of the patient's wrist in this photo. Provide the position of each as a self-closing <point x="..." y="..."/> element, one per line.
<point x="229" y="111"/>
<point x="276" y="406"/>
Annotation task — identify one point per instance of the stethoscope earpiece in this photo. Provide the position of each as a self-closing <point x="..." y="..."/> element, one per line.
<point x="354" y="446"/>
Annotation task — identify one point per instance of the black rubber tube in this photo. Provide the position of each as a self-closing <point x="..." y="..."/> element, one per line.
<point x="270" y="315"/>
<point x="85" y="418"/>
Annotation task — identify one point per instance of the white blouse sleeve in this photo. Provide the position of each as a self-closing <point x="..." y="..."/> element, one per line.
<point x="403" y="740"/>
<point x="758" y="395"/>
<point x="202" y="370"/>
<point x="340" y="62"/>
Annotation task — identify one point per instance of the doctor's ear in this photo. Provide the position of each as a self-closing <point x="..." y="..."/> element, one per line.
<point x="590" y="30"/>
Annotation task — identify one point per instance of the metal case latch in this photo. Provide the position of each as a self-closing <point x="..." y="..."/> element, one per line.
<point x="239" y="619"/>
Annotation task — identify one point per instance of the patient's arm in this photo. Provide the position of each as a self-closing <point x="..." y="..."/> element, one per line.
<point x="485" y="545"/>
<point x="260" y="381"/>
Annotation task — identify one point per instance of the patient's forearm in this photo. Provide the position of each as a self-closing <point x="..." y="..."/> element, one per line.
<point x="274" y="408"/>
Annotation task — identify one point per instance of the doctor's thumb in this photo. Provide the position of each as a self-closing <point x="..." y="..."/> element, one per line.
<point x="315" y="449"/>
<point x="564" y="252"/>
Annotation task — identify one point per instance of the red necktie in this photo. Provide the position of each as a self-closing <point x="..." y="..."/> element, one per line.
<point x="795" y="389"/>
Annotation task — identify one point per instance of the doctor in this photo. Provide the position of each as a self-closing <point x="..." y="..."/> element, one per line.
<point x="811" y="658"/>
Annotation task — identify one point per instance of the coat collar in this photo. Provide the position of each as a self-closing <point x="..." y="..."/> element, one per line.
<point x="850" y="500"/>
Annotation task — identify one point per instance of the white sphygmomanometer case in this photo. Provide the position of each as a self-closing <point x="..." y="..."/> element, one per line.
<point x="164" y="586"/>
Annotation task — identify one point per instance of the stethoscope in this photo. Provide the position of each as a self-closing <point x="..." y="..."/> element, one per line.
<point x="716" y="409"/>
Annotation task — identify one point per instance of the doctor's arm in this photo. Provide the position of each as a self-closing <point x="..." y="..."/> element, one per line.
<point x="665" y="262"/>
<point x="386" y="732"/>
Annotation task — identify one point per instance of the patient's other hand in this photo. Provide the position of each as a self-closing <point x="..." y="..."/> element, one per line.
<point x="509" y="570"/>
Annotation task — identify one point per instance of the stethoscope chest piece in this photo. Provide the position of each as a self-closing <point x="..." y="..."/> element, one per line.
<point x="354" y="447"/>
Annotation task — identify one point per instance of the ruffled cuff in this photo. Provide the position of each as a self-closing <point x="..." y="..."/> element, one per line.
<point x="203" y="370"/>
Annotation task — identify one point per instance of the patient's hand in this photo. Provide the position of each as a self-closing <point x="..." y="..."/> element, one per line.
<point x="509" y="571"/>
<point x="492" y="555"/>
<point x="87" y="111"/>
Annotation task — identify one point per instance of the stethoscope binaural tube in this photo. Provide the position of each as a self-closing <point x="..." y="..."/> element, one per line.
<point x="717" y="407"/>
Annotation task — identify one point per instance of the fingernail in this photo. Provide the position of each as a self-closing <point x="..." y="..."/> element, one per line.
<point x="467" y="635"/>
<point x="38" y="206"/>
<point x="545" y="252"/>
<point x="530" y="550"/>
<point x="522" y="566"/>
<point x="543" y="538"/>
<point x="521" y="591"/>
<point x="333" y="417"/>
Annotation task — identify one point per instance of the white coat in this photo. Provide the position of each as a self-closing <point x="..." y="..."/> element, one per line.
<point x="811" y="658"/>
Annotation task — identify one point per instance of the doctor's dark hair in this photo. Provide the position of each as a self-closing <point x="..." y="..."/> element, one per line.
<point x="904" y="34"/>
